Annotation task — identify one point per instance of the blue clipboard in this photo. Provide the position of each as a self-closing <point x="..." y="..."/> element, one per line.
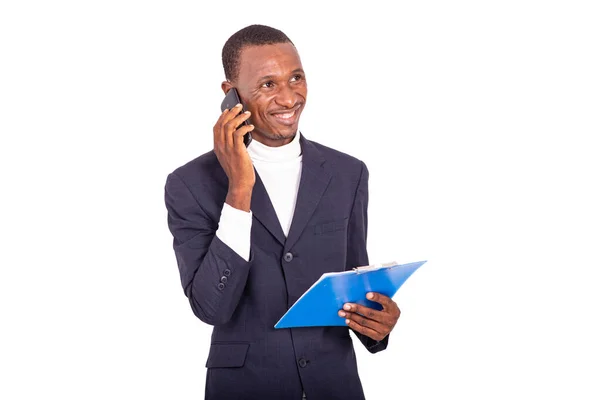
<point x="320" y="304"/>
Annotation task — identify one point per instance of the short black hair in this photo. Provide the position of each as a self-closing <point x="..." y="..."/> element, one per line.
<point x="253" y="35"/>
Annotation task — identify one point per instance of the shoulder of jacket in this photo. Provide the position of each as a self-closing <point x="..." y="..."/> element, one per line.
<point x="339" y="159"/>
<point x="201" y="165"/>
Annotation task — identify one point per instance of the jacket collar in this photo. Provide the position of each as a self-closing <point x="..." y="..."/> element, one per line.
<point x="314" y="180"/>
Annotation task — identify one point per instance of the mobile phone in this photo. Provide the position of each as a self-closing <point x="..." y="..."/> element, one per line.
<point x="232" y="98"/>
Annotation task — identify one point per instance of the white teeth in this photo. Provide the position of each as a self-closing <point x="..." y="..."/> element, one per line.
<point x="285" y="116"/>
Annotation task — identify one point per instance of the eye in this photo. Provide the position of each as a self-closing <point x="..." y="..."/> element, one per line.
<point x="268" y="84"/>
<point x="297" y="78"/>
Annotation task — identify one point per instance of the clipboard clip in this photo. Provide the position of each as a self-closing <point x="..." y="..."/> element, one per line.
<point x="367" y="268"/>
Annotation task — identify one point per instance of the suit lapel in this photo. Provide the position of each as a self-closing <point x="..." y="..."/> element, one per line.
<point x="263" y="210"/>
<point x="314" y="180"/>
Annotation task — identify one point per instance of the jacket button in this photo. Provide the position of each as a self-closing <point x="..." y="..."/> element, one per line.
<point x="224" y="279"/>
<point x="288" y="257"/>
<point x="227" y="272"/>
<point x="221" y="286"/>
<point x="302" y="363"/>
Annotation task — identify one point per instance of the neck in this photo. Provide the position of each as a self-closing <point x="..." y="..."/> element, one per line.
<point x="270" y="141"/>
<point x="262" y="152"/>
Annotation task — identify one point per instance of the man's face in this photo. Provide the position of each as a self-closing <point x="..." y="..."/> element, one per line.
<point x="272" y="85"/>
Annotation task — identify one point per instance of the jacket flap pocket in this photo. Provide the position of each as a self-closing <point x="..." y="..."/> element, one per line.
<point x="223" y="355"/>
<point x="330" y="227"/>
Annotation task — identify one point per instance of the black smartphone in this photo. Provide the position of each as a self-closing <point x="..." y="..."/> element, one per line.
<point x="232" y="98"/>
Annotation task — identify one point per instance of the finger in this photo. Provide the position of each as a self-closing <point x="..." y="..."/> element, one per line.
<point x="232" y="126"/>
<point x="384" y="300"/>
<point x="369" y="323"/>
<point x="367" y="312"/>
<point x="227" y="128"/>
<point x="232" y="113"/>
<point x="364" y="330"/>
<point x="238" y="135"/>
<point x="218" y="128"/>
<point x="238" y="120"/>
<point x="389" y="306"/>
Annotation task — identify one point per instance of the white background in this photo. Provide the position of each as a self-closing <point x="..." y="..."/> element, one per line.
<point x="477" y="121"/>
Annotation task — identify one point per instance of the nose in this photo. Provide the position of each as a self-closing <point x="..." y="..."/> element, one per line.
<point x="286" y="97"/>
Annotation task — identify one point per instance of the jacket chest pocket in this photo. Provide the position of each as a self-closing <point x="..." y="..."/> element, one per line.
<point x="330" y="228"/>
<point x="227" y="355"/>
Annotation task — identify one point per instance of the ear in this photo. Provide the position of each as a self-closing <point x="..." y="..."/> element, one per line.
<point x="226" y="86"/>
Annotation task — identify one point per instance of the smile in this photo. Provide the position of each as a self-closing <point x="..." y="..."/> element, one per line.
<point x="286" y="118"/>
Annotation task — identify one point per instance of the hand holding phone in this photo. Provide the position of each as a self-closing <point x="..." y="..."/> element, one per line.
<point x="229" y="147"/>
<point x="232" y="98"/>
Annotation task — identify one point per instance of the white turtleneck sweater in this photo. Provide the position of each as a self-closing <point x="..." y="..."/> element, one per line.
<point x="279" y="169"/>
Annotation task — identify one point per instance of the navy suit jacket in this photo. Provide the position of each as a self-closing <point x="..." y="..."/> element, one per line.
<point x="248" y="358"/>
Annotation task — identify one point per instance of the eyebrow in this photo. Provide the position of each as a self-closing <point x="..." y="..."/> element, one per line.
<point x="269" y="77"/>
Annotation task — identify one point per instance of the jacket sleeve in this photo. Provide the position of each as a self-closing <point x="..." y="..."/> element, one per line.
<point x="357" y="246"/>
<point x="213" y="276"/>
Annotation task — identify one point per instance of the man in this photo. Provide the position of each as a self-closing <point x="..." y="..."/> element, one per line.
<point x="254" y="227"/>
